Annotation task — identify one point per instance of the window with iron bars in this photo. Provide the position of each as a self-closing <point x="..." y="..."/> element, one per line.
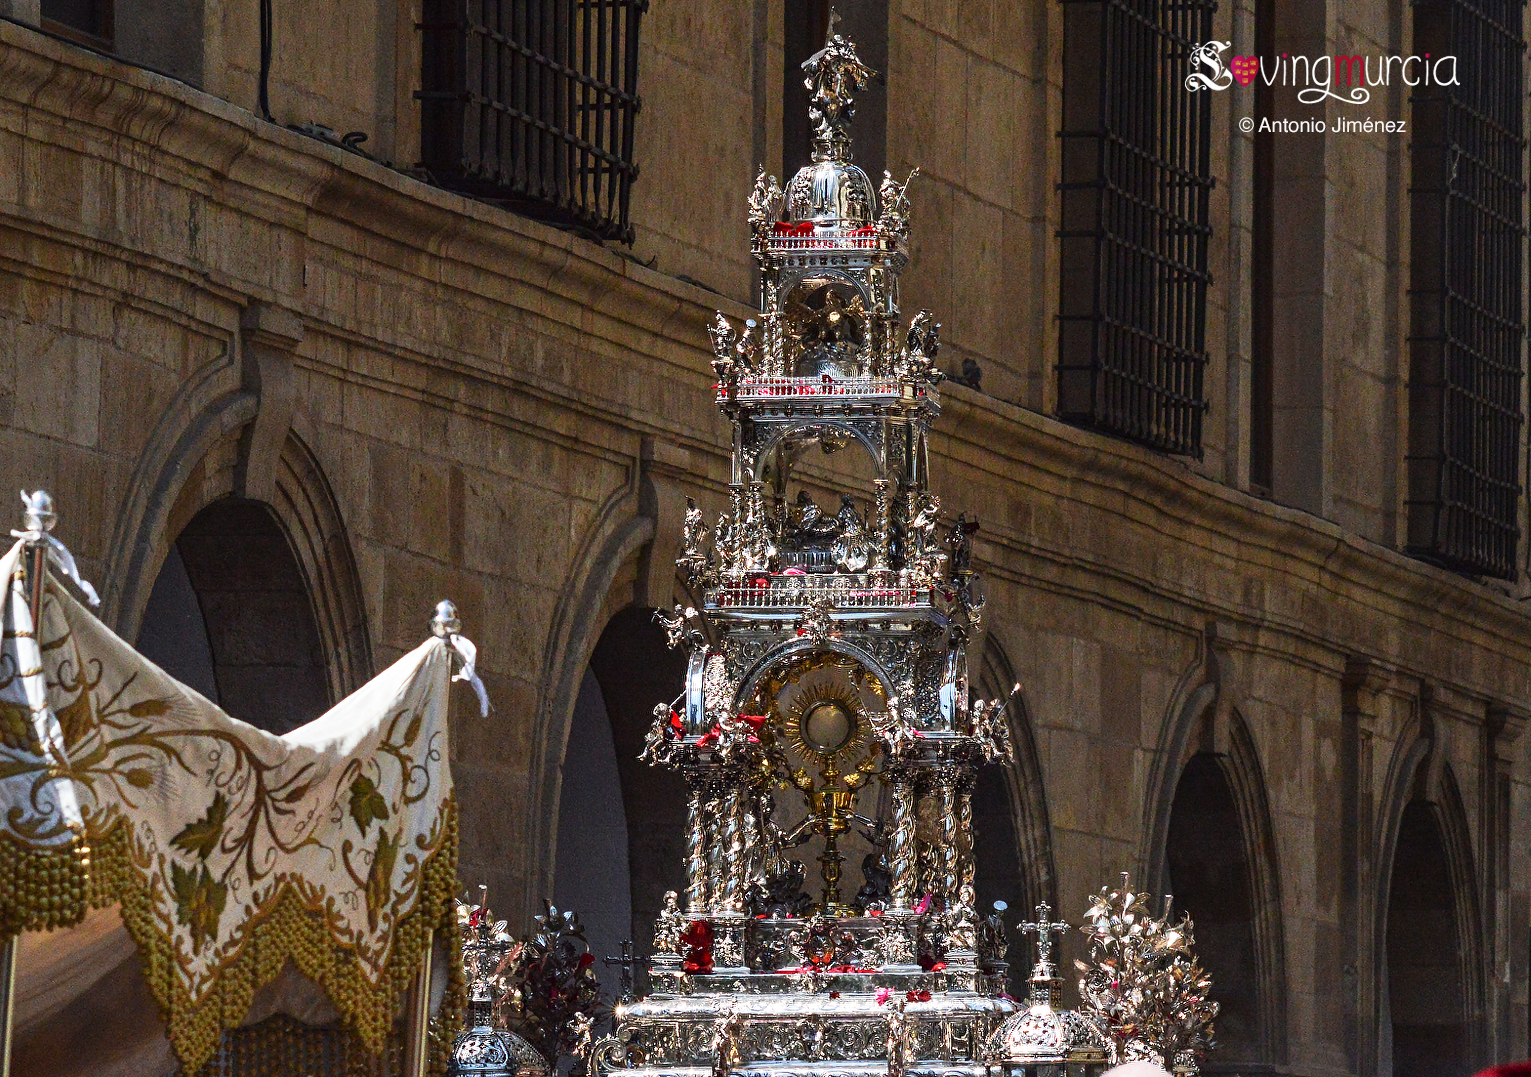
<point x="531" y="103"/>
<point x="1466" y="278"/>
<point x="1136" y="177"/>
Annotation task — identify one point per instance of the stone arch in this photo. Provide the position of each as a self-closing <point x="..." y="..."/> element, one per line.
<point x="200" y="452"/>
<point x="1013" y="834"/>
<point x="1199" y="722"/>
<point x="211" y="407"/>
<point x="589" y="597"/>
<point x="633" y="669"/>
<point x="1426" y="871"/>
<point x="1219" y="861"/>
<point x="200" y="472"/>
<point x="1189" y="716"/>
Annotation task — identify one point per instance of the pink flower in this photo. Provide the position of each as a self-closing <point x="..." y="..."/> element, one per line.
<point x="883" y="995"/>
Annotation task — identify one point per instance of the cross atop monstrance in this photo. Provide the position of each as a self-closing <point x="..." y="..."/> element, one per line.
<point x="1045" y="930"/>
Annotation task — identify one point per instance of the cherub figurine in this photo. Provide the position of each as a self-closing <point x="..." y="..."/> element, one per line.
<point x="678" y="628"/>
<point x="659" y="743"/>
<point x="990" y="727"/>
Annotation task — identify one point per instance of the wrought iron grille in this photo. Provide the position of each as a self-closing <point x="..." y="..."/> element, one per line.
<point x="531" y="103"/>
<point x="1467" y="274"/>
<point x="1136" y="177"/>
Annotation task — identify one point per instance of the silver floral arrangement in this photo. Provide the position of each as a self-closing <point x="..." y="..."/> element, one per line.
<point x="1143" y="983"/>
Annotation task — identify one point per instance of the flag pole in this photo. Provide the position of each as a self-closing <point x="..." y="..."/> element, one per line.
<point x="39" y="520"/>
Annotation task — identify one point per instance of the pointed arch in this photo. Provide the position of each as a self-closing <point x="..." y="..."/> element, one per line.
<point x="1202" y="726"/>
<point x="1423" y="814"/>
<point x="1025" y="794"/>
<point x="613" y="543"/>
<point x="1222" y="786"/>
<point x="1187" y="721"/>
<point x="193" y="459"/>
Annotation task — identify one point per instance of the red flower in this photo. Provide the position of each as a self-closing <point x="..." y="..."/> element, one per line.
<point x="917" y="996"/>
<point x="834" y="994"/>
<point x="697" y="938"/>
<point x="585" y="961"/>
<point x="939" y="966"/>
<point x="676" y="724"/>
<point x="754" y="721"/>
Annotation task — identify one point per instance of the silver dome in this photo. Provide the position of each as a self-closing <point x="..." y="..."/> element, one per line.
<point x="832" y="193"/>
<point x="1043" y="1034"/>
<point x="483" y="1051"/>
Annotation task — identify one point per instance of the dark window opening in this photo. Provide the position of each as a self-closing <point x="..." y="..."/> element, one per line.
<point x="632" y="670"/>
<point x="998" y="875"/>
<point x="1424" y="964"/>
<point x="87" y="21"/>
<point x="230" y="616"/>
<point x="1136" y="177"/>
<point x="1211" y="879"/>
<point x="531" y="104"/>
<point x="1467" y="324"/>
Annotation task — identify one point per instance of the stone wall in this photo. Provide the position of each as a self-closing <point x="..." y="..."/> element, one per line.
<point x="439" y="399"/>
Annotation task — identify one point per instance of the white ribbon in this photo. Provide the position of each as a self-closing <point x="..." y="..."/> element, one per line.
<point x="59" y="554"/>
<point x="464" y="647"/>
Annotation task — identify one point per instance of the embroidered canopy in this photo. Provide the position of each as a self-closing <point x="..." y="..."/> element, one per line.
<point x="230" y="850"/>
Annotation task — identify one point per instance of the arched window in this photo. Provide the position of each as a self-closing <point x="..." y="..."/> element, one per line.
<point x="1209" y="874"/>
<point x="1425" y="987"/>
<point x="613" y="875"/>
<point x="231" y="616"/>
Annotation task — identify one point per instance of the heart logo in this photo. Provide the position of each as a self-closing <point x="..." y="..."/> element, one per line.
<point x="1245" y="68"/>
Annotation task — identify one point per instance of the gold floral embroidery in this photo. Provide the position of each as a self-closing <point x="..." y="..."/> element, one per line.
<point x="218" y="900"/>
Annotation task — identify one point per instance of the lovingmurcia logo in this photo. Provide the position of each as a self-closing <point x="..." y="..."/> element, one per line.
<point x="1344" y="78"/>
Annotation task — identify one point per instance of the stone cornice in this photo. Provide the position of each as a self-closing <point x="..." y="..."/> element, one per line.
<point x="1236" y="534"/>
<point x="1336" y="589"/>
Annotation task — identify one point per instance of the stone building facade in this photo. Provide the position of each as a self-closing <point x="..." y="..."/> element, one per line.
<point x="289" y="395"/>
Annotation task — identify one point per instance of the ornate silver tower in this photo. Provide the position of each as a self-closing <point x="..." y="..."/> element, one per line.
<point x="826" y="714"/>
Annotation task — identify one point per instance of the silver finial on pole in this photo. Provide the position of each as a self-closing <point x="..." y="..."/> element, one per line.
<point x="445" y="622"/>
<point x="39" y="514"/>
